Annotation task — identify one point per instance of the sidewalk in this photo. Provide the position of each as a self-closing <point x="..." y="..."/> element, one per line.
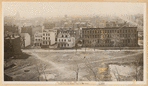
<point x="74" y="50"/>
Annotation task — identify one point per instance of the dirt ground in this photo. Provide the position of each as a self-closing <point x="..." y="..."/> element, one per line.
<point x="68" y="66"/>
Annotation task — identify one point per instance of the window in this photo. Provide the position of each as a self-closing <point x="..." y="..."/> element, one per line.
<point x="67" y="44"/>
<point x="62" y="36"/>
<point x="49" y="38"/>
<point x="59" y="40"/>
<point x="62" y="39"/>
<point x="65" y="40"/>
<point x="87" y="31"/>
<point x="66" y="36"/>
<point x="128" y="40"/>
<point x="69" y="40"/>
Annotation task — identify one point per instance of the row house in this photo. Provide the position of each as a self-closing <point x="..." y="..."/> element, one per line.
<point x="110" y="37"/>
<point x="65" y="40"/>
<point x="38" y="39"/>
<point x="73" y="32"/>
<point x="48" y="37"/>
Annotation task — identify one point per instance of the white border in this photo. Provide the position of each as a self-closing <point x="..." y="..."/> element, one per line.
<point x="80" y="82"/>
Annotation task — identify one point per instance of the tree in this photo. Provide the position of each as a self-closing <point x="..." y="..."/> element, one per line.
<point x="91" y="68"/>
<point x="77" y="70"/>
<point x="117" y="40"/>
<point x="94" y="44"/>
<point x="42" y="69"/>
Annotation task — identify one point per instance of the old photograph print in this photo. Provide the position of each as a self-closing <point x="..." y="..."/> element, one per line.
<point x="73" y="41"/>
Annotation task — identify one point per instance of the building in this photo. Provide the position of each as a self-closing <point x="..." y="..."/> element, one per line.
<point x="110" y="37"/>
<point x="38" y="39"/>
<point x="73" y="32"/>
<point x="48" y="37"/>
<point x="25" y="40"/>
<point x="28" y="29"/>
<point x="140" y="38"/>
<point x="64" y="40"/>
<point x="11" y="28"/>
<point x="12" y="46"/>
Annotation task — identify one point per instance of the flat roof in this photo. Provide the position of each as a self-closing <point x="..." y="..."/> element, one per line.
<point x="112" y="28"/>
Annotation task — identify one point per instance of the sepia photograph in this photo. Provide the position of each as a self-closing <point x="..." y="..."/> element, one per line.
<point x="74" y="42"/>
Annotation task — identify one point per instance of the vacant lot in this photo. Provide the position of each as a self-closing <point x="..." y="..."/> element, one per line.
<point x="69" y="66"/>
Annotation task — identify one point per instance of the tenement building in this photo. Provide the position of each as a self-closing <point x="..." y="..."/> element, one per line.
<point x="110" y="37"/>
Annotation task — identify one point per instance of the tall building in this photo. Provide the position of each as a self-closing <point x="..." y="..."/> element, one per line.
<point x="110" y="37"/>
<point x="48" y="37"/>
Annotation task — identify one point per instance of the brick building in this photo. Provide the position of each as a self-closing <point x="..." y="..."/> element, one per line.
<point x="110" y="37"/>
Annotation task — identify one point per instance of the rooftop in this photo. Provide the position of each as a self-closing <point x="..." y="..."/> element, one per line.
<point x="112" y="28"/>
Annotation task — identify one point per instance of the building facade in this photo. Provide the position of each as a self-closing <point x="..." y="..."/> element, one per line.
<point x="25" y="40"/>
<point x="110" y="37"/>
<point x="48" y="37"/>
<point x="38" y="39"/>
<point x="64" y="40"/>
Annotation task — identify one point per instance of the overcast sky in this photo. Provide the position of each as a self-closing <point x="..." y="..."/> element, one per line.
<point x="53" y="9"/>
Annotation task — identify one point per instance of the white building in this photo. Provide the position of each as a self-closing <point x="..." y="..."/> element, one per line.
<point x="26" y="39"/>
<point x="64" y="40"/>
<point x="38" y="38"/>
<point x="48" y="37"/>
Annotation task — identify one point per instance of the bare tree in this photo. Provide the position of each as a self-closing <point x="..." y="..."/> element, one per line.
<point x="91" y="68"/>
<point x="94" y="44"/>
<point x="117" y="40"/>
<point x="42" y="69"/>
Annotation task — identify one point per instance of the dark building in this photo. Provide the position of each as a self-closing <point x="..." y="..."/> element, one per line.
<point x="12" y="46"/>
<point x="110" y="37"/>
<point x="10" y="28"/>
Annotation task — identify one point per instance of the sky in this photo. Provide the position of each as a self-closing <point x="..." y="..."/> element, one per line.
<point x="55" y="9"/>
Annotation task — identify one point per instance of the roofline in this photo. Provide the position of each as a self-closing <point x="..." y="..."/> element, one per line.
<point x="110" y="28"/>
